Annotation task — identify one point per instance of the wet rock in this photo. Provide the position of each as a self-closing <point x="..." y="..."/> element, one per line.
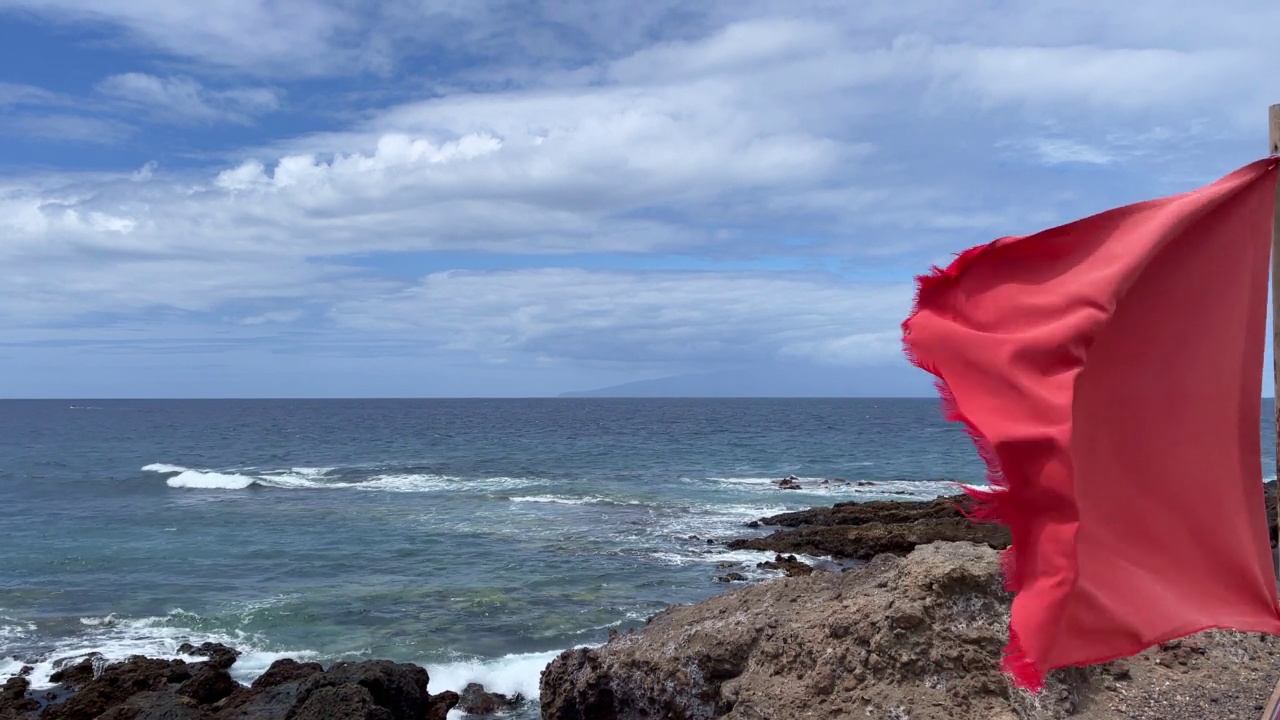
<point x="476" y="701"/>
<point x="732" y="577"/>
<point x="790" y="482"/>
<point x="14" y="702"/>
<point x="347" y="701"/>
<point x="865" y="541"/>
<point x="286" y="670"/>
<point x="860" y="531"/>
<point x="116" y="684"/>
<point x="25" y="671"/>
<point x="209" y="685"/>
<point x="219" y="655"/>
<point x="75" y="676"/>
<point x="438" y="706"/>
<point x="882" y="511"/>
<point x="271" y="703"/>
<point x="788" y="564"/>
<point x="156" y="706"/>
<point x="399" y="688"/>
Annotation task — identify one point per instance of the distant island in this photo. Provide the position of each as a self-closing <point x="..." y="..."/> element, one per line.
<point x="782" y="380"/>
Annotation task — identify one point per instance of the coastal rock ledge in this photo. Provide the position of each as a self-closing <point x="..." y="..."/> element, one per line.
<point x="914" y="637"/>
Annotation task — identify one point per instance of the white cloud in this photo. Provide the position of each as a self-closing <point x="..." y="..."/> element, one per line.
<point x="875" y="134"/>
<point x="294" y="38"/>
<point x="66" y="128"/>
<point x="183" y="99"/>
<point x="19" y="94"/>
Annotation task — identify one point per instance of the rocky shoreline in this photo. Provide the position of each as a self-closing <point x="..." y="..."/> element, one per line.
<point x="142" y="688"/>
<point x="905" y="619"/>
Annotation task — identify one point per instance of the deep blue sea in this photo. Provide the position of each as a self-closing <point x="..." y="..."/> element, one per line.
<point x="476" y="537"/>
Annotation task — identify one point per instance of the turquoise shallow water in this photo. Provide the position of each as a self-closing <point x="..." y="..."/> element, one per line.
<point x="476" y="537"/>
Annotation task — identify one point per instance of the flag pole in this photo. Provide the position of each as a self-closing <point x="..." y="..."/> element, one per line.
<point x="1272" y="709"/>
<point x="1274" y="123"/>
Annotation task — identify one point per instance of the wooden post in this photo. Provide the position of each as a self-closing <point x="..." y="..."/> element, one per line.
<point x="1272" y="709"/>
<point x="1274" y="122"/>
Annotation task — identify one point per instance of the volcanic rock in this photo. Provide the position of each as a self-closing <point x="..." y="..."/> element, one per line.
<point x="14" y="702"/>
<point x="116" y="684"/>
<point x="915" y="637"/>
<point x="219" y="655"/>
<point x="400" y="688"/>
<point x="286" y="670"/>
<point x="440" y="705"/>
<point x="860" y="531"/>
<point x="208" y="685"/>
<point x="787" y="564"/>
<point x="156" y="706"/>
<point x="347" y="701"/>
<point x="476" y="701"/>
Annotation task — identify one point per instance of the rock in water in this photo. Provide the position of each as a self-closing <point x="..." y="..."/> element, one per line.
<point x="788" y="564"/>
<point x="219" y="655"/>
<point x="790" y="482"/>
<point x="440" y="705"/>
<point x="915" y="637"/>
<point x="476" y="701"/>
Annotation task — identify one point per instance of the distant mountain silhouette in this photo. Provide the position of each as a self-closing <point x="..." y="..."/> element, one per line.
<point x="782" y="380"/>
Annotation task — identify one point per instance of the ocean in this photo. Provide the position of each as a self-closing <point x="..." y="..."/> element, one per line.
<point x="478" y="538"/>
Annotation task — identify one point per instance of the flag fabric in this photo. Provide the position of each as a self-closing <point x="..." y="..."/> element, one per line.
<point x="1110" y="373"/>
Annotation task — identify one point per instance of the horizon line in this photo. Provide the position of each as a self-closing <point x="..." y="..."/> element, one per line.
<point x="569" y="396"/>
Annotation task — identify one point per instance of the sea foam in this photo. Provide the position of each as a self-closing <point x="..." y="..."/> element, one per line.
<point x="318" y="478"/>
<point x="210" y="480"/>
<point x="508" y="675"/>
<point x="117" y="639"/>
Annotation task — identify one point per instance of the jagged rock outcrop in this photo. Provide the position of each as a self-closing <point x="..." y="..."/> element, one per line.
<point x="914" y="637"/>
<point x="860" y="531"/>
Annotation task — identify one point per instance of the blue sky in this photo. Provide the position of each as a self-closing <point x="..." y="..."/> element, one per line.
<point x="253" y="198"/>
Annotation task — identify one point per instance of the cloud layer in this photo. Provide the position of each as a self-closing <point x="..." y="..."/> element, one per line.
<point x="554" y="188"/>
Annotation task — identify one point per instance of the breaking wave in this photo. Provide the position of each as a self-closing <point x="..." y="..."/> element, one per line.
<point x="305" y="478"/>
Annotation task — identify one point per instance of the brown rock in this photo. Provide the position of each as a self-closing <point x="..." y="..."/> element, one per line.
<point x="14" y="702"/>
<point x="156" y="706"/>
<point x="116" y="684"/>
<point x="918" y="636"/>
<point x="208" y="686"/>
<point x="400" y="688"/>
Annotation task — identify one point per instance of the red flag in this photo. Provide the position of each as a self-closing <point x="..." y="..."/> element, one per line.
<point x="1110" y="373"/>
